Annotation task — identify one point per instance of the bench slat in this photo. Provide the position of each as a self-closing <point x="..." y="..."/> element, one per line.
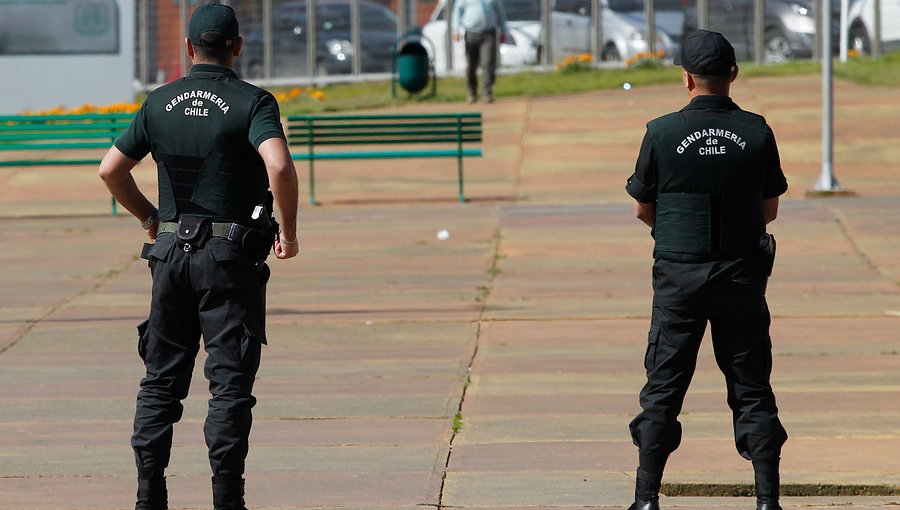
<point x="54" y="146"/>
<point x="17" y="137"/>
<point x="367" y="140"/>
<point x="403" y="116"/>
<point x="305" y="156"/>
<point x="50" y="162"/>
<point x="34" y="119"/>
<point x="74" y="127"/>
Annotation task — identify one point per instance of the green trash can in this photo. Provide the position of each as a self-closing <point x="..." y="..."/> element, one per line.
<point x="412" y="67"/>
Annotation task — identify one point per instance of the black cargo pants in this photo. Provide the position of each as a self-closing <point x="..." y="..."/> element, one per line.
<point x="215" y="291"/>
<point x="729" y="295"/>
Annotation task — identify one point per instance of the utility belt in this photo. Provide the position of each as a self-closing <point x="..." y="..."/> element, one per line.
<point x="194" y="231"/>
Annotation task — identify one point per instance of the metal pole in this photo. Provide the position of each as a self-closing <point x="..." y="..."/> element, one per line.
<point x="817" y="36"/>
<point x="759" y="42"/>
<point x="268" y="38"/>
<point x="650" y="26"/>
<point x="876" y="36"/>
<point x="184" y="10"/>
<point x="448" y="46"/>
<point x="144" y="42"/>
<point x="845" y="30"/>
<point x="703" y="14"/>
<point x="355" y="36"/>
<point x="597" y="30"/>
<point x="546" y="33"/>
<point x="402" y="17"/>
<point x="827" y="181"/>
<point x="311" y="39"/>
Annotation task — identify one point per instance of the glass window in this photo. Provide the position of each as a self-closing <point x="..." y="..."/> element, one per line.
<point x="60" y="27"/>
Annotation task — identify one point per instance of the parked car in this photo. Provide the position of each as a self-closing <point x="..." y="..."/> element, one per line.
<point x="861" y="18"/>
<point x="623" y="30"/>
<point x="789" y="27"/>
<point x="334" y="48"/>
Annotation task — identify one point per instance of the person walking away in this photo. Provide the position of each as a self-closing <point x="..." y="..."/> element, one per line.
<point x="480" y="23"/>
<point x="707" y="182"/>
<point x="222" y="164"/>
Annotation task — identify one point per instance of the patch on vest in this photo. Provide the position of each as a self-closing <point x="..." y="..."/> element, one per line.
<point x="198" y="106"/>
<point x="714" y="141"/>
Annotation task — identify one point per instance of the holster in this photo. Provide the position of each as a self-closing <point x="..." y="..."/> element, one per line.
<point x="257" y="243"/>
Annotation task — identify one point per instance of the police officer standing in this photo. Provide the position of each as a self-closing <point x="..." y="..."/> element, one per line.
<point x="219" y="148"/>
<point x="707" y="181"/>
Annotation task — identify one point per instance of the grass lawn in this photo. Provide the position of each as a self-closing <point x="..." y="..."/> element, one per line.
<point x="883" y="72"/>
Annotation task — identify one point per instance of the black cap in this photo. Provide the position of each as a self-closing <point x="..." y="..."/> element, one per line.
<point x="707" y="54"/>
<point x="213" y="26"/>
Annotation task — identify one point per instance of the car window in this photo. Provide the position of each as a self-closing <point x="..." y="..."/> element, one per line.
<point x="289" y="16"/>
<point x="580" y="7"/>
<point x="522" y="10"/>
<point x="638" y="5"/>
<point x="376" y="17"/>
<point x="333" y="18"/>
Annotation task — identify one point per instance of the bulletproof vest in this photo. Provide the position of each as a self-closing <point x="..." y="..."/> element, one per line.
<point x="206" y="164"/>
<point x="711" y="175"/>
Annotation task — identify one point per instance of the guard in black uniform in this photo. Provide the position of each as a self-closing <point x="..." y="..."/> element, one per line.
<point x="707" y="182"/>
<point x="222" y="161"/>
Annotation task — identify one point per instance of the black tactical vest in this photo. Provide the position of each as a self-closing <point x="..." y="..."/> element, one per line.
<point x="710" y="187"/>
<point x="206" y="163"/>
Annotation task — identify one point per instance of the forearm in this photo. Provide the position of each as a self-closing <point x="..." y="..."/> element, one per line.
<point x="283" y="183"/>
<point x="115" y="170"/>
<point x="770" y="209"/>
<point x="646" y="212"/>
<point x="284" y="189"/>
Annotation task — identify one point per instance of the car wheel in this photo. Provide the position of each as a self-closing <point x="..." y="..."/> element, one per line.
<point x="611" y="53"/>
<point x="859" y="40"/>
<point x="777" y="47"/>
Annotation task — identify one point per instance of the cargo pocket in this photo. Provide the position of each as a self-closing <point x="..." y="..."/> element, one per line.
<point x="652" y="346"/>
<point x="143" y="330"/>
<point x="229" y="257"/>
<point x="160" y="250"/>
<point x="251" y="348"/>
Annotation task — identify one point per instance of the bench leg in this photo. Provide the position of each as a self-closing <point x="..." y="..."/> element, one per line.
<point x="459" y="165"/>
<point x="115" y="208"/>
<point x="312" y="182"/>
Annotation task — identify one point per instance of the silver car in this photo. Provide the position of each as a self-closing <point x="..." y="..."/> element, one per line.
<point x="623" y="31"/>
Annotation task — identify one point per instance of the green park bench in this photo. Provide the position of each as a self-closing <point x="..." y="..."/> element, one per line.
<point x="32" y="140"/>
<point x="401" y="135"/>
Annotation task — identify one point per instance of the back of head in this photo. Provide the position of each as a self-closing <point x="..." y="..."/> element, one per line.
<point x="709" y="57"/>
<point x="213" y="31"/>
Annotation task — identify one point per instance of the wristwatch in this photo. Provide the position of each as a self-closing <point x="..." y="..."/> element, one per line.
<point x="151" y="220"/>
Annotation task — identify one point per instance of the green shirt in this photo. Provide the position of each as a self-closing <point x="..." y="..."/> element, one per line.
<point x="204" y="132"/>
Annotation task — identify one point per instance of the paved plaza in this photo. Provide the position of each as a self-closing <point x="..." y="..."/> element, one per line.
<point x="526" y="327"/>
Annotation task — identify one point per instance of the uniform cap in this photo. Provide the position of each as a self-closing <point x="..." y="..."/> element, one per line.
<point x="706" y="53"/>
<point x="213" y="26"/>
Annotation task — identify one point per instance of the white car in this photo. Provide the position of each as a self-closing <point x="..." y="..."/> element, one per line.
<point x="623" y="32"/>
<point x="861" y="18"/>
<point x="522" y="50"/>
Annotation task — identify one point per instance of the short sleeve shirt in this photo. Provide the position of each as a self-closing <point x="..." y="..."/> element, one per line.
<point x="642" y="185"/>
<point x="265" y="119"/>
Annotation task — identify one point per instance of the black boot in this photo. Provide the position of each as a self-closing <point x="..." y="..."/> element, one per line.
<point x="646" y="491"/>
<point x="767" y="484"/>
<point x="228" y="493"/>
<point x="152" y="493"/>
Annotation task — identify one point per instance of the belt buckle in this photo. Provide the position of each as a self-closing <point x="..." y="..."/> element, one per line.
<point x="231" y="231"/>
